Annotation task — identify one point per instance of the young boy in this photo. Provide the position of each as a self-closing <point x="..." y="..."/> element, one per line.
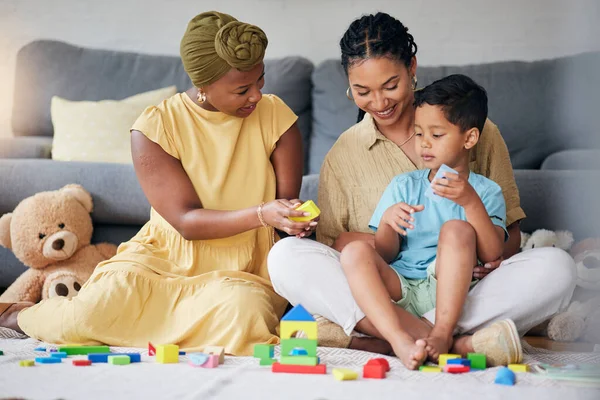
<point x="427" y="244"/>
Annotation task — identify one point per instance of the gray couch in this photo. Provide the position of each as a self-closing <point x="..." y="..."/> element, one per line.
<point x="545" y="111"/>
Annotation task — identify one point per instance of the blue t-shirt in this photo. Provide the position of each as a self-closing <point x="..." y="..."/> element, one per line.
<point x="419" y="247"/>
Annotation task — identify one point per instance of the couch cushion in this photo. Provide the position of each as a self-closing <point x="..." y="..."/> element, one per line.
<point x="573" y="159"/>
<point x="26" y="147"/>
<point x="540" y="107"/>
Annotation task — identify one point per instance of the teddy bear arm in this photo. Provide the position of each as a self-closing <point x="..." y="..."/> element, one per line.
<point x="108" y="250"/>
<point x="27" y="287"/>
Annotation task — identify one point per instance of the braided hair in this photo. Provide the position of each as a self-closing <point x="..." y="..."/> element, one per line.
<point x="372" y="36"/>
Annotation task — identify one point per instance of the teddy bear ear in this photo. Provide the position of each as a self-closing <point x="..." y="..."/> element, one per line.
<point x="80" y="194"/>
<point x="5" y="230"/>
<point x="564" y="240"/>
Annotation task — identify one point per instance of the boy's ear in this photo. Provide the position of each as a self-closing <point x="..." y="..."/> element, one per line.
<point x="471" y="138"/>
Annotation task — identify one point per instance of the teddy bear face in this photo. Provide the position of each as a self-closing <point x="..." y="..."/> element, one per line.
<point x="588" y="269"/>
<point x="49" y="227"/>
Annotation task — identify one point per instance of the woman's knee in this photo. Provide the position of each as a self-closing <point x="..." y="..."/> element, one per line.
<point x="556" y="268"/>
<point x="280" y="259"/>
<point x="458" y="231"/>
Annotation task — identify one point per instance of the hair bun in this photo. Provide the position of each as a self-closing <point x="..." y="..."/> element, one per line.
<point x="241" y="45"/>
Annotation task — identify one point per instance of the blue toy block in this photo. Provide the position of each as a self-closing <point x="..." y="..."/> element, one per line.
<point x="182" y="353"/>
<point x="198" y="358"/>
<point x="48" y="360"/>
<point x="53" y="350"/>
<point x="298" y="313"/>
<point x="299" y="352"/>
<point x="103" y="357"/>
<point x="459" y="361"/>
<point x="505" y="377"/>
<point x="40" y="349"/>
<point x="59" y="354"/>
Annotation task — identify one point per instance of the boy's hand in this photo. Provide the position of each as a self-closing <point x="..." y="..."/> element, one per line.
<point x="399" y="215"/>
<point x="455" y="188"/>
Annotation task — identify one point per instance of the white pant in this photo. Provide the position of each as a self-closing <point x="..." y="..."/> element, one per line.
<point x="528" y="288"/>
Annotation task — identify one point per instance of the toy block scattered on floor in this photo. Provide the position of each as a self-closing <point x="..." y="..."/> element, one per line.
<point x="264" y="362"/>
<point x="119" y="360"/>
<point x="298" y="360"/>
<point x="459" y="361"/>
<point x="320" y="369"/>
<point x="1" y="353"/>
<point x="216" y="350"/>
<point x="59" y="354"/>
<point x="264" y="350"/>
<point x="344" y="374"/>
<point x="289" y="345"/>
<point x="379" y="361"/>
<point x="82" y="363"/>
<point x="39" y="349"/>
<point x="48" y="360"/>
<point x="167" y="353"/>
<point x="505" y="376"/>
<point x="26" y="363"/>
<point x="83" y="350"/>
<point x="374" y="371"/>
<point x="518" y="367"/>
<point x="298" y="314"/>
<point x="103" y="357"/>
<point x="151" y="349"/>
<point x="213" y="361"/>
<point x="182" y="353"/>
<point x="443" y="360"/>
<point x="456" y="369"/>
<point x="53" y="350"/>
<point x="426" y="368"/>
<point x="197" y="359"/>
<point x="478" y="360"/>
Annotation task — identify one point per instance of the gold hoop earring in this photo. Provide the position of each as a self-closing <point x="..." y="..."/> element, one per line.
<point x="414" y="82"/>
<point x="201" y="97"/>
<point x="348" y="95"/>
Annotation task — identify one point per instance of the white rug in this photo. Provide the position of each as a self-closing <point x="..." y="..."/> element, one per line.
<point x="242" y="378"/>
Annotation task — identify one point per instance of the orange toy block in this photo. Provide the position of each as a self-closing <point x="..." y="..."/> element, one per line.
<point x="320" y="369"/>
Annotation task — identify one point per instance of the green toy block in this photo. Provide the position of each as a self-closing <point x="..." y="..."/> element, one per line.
<point x="478" y="360"/>
<point x="267" y="361"/>
<point x="310" y="345"/>
<point x="119" y="360"/>
<point x="83" y="350"/>
<point x="1" y="353"/>
<point x="298" y="360"/>
<point x="263" y="351"/>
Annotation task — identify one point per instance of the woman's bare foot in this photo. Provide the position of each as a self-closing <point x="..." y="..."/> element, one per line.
<point x="436" y="345"/>
<point x="8" y="317"/>
<point x="412" y="354"/>
<point x="374" y="345"/>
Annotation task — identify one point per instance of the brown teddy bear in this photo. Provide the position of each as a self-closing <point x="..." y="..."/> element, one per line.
<point x="50" y="232"/>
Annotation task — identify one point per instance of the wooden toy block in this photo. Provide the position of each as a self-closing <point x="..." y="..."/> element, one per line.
<point x="426" y="368"/>
<point x="167" y="353"/>
<point x="290" y="327"/>
<point x="445" y="357"/>
<point x="213" y="361"/>
<point x="459" y="361"/>
<point x="119" y="360"/>
<point x="216" y="350"/>
<point x="298" y="314"/>
<point x="518" y="367"/>
<point x="478" y="360"/>
<point x="53" y="350"/>
<point x="456" y="369"/>
<point x="505" y="376"/>
<point x="83" y="350"/>
<point x="299" y="352"/>
<point x="310" y="207"/>
<point x="1" y="353"/>
<point x="379" y="361"/>
<point x="267" y="362"/>
<point x="289" y="345"/>
<point x="151" y="349"/>
<point x="48" y="360"/>
<point x="320" y="369"/>
<point x="182" y="353"/>
<point x="264" y="350"/>
<point x="198" y="359"/>
<point x="26" y="363"/>
<point x="374" y="371"/>
<point x="103" y="357"/>
<point x="298" y="360"/>
<point x="82" y="363"/>
<point x="344" y="374"/>
<point x="59" y="354"/>
<point x="39" y="349"/>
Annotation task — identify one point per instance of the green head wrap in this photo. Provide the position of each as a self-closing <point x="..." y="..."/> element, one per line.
<point x="214" y="43"/>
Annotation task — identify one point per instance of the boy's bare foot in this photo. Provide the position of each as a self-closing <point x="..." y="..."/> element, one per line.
<point x="436" y="345"/>
<point x="412" y="354"/>
<point x="374" y="345"/>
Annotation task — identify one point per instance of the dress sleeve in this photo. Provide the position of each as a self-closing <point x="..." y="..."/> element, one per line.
<point x="282" y="118"/>
<point x="151" y="124"/>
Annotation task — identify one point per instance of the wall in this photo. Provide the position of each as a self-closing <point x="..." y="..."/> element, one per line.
<point x="447" y="32"/>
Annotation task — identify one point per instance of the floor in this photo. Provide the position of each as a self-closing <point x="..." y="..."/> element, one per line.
<point x="545" y="343"/>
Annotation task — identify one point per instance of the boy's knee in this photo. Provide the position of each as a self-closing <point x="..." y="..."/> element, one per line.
<point x="458" y="231"/>
<point x="354" y="251"/>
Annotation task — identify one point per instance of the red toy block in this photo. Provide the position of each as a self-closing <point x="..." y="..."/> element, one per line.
<point x="374" y="371"/>
<point x="320" y="369"/>
<point x="380" y="361"/>
<point x="82" y="363"/>
<point x="151" y="350"/>
<point x="456" y="369"/>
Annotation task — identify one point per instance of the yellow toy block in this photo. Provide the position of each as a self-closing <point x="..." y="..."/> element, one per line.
<point x="290" y="327"/>
<point x="445" y="357"/>
<point x="518" y="367"/>
<point x="217" y="351"/>
<point x="344" y="374"/>
<point x="167" y="353"/>
<point x="27" y="363"/>
<point x="310" y="207"/>
<point x="425" y="368"/>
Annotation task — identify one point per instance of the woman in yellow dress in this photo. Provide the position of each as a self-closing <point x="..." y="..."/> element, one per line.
<point x="221" y="166"/>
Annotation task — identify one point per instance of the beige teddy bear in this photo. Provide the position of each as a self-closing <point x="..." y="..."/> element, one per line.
<point x="50" y="232"/>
